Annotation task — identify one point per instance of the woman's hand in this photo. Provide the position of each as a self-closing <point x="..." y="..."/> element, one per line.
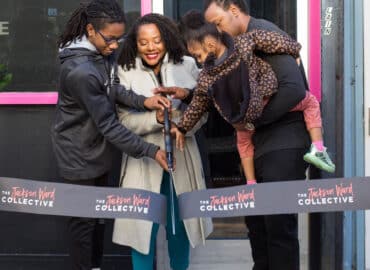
<point x="157" y="103"/>
<point x="174" y="92"/>
<point x="179" y="136"/>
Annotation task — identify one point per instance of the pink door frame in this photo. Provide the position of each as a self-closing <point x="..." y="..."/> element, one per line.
<point x="146" y="7"/>
<point x="314" y="61"/>
<point x="51" y="98"/>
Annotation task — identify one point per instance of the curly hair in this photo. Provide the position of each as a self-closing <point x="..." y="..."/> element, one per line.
<point x="96" y="12"/>
<point x="225" y="4"/>
<point x="169" y="34"/>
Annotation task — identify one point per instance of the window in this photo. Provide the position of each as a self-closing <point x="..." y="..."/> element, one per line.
<point x="281" y="12"/>
<point x="28" y="34"/>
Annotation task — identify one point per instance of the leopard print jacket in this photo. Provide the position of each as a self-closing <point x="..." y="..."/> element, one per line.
<point x="262" y="79"/>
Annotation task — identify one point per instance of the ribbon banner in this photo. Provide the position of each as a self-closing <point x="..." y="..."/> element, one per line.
<point x="278" y="198"/>
<point x="324" y="195"/>
<point x="48" y="198"/>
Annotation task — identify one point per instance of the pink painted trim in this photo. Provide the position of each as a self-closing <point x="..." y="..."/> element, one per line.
<point x="314" y="62"/>
<point x="28" y="98"/>
<point x="146" y="7"/>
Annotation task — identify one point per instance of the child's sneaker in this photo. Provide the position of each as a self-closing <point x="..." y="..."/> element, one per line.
<point x="320" y="159"/>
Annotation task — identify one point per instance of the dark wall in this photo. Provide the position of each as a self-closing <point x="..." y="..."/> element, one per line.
<point x="29" y="241"/>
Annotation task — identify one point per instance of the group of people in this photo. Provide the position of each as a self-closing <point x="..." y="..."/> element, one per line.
<point x="249" y="73"/>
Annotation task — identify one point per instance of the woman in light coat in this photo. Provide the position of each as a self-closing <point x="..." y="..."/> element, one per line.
<point x="153" y="56"/>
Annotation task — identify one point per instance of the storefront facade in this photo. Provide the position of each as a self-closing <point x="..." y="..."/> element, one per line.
<point x="28" y="33"/>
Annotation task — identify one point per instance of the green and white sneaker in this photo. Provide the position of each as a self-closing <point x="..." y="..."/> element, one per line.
<point x="320" y="159"/>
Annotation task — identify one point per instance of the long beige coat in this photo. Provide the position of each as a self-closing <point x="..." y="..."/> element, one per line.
<point x="144" y="173"/>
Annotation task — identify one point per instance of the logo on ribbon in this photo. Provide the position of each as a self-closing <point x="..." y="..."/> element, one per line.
<point x="338" y="194"/>
<point x="135" y="203"/>
<point x="242" y="199"/>
<point x="38" y="198"/>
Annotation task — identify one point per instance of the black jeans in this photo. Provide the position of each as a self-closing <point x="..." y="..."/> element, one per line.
<point x="86" y="235"/>
<point x="274" y="238"/>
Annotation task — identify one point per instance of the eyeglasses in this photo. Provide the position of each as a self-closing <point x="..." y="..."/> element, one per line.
<point x="111" y="40"/>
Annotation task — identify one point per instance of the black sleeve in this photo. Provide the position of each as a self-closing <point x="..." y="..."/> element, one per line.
<point x="90" y="94"/>
<point x="291" y="89"/>
<point x="121" y="95"/>
<point x="129" y="98"/>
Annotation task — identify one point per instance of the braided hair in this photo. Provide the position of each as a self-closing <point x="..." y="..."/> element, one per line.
<point x="169" y="34"/>
<point x="225" y="4"/>
<point x="96" y="12"/>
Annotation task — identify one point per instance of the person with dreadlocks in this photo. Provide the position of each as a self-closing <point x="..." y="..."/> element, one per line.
<point x="86" y="126"/>
<point x="153" y="56"/>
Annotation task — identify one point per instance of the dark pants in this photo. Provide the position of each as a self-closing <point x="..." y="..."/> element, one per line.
<point x="86" y="235"/>
<point x="274" y="238"/>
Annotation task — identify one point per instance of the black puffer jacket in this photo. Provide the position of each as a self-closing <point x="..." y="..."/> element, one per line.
<point x="86" y="125"/>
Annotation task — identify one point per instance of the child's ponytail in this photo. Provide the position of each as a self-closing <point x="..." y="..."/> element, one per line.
<point x="194" y="27"/>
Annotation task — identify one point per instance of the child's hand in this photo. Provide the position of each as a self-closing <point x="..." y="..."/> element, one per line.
<point x="179" y="136"/>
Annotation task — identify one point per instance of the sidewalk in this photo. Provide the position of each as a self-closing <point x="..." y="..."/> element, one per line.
<point x="226" y="254"/>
